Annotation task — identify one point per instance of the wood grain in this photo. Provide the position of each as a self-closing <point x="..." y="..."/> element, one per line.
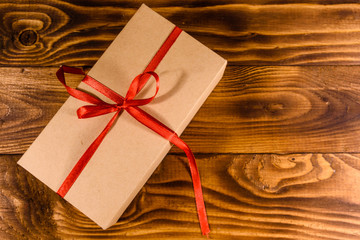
<point x="250" y="196"/>
<point x="49" y="33"/>
<point x="276" y="146"/>
<point x="29" y="98"/>
<point x="270" y="109"/>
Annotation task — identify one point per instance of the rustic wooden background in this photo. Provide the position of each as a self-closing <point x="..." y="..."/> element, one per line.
<point x="277" y="142"/>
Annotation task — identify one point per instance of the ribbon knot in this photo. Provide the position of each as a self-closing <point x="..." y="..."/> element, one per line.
<point x="121" y="106"/>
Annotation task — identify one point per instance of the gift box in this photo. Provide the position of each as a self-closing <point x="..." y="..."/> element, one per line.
<point x="130" y="151"/>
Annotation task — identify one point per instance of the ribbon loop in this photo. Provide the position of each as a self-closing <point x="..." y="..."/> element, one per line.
<point x="137" y="85"/>
<point x="72" y="91"/>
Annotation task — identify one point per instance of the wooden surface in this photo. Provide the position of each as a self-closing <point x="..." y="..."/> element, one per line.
<point x="277" y="142"/>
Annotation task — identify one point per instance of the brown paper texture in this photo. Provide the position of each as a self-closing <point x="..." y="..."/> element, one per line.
<point x="130" y="152"/>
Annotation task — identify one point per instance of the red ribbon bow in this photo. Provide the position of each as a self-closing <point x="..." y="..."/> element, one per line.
<point x="130" y="105"/>
<point x="101" y="107"/>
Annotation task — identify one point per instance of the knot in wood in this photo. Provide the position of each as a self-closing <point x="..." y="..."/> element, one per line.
<point x="28" y="37"/>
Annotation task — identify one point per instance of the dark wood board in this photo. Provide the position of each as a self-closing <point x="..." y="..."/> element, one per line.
<point x="262" y="109"/>
<point x="250" y="196"/>
<point x="49" y="33"/>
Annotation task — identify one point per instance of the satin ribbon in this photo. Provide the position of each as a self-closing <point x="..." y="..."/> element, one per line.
<point x="130" y="105"/>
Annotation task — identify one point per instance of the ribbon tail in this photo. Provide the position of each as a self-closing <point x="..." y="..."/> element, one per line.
<point x="170" y="135"/>
<point x="200" y="205"/>
<point x="80" y="165"/>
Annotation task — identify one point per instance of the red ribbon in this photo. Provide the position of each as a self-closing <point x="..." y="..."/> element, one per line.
<point x="130" y="105"/>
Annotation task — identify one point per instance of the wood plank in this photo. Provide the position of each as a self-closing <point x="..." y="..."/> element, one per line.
<point x="267" y="109"/>
<point x="49" y="33"/>
<point x="250" y="196"/>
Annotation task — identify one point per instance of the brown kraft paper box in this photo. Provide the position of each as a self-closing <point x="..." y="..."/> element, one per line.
<point x="130" y="152"/>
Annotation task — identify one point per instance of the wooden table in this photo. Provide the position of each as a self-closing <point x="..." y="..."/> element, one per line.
<point x="277" y="142"/>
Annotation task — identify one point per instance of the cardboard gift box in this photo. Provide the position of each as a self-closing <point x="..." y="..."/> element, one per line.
<point x="130" y="152"/>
